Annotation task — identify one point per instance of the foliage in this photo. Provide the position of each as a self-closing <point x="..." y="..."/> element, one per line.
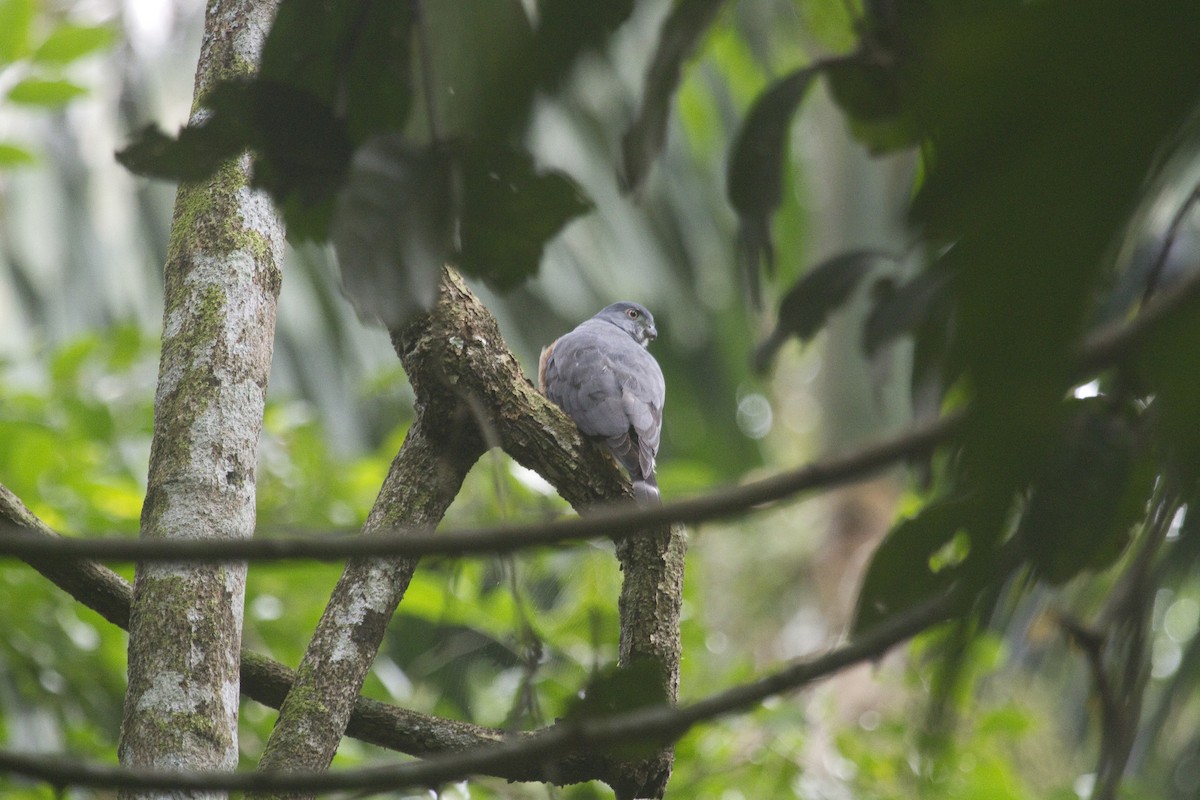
<point x="1041" y="128"/>
<point x="37" y="48"/>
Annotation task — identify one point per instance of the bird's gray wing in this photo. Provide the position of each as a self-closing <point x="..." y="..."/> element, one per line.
<point x="613" y="389"/>
<point x="580" y="379"/>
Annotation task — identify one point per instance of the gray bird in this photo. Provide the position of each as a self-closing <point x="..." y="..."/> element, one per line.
<point x="604" y="378"/>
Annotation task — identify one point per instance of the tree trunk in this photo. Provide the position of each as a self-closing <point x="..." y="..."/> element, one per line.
<point x="221" y="286"/>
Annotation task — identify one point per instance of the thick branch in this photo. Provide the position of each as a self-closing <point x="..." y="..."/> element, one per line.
<point x="422" y="482"/>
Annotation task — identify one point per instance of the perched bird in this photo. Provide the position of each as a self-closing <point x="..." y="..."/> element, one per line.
<point x="604" y="378"/>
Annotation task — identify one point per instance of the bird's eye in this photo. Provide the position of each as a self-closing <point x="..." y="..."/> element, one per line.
<point x="632" y="313"/>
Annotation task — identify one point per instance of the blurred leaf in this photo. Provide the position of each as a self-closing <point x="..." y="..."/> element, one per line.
<point x="755" y="172"/>
<point x="824" y="289"/>
<point x="510" y="211"/>
<point x="352" y="59"/>
<point x="488" y="62"/>
<point x="900" y="575"/>
<point x="869" y="95"/>
<point x="899" y="310"/>
<point x="393" y="228"/>
<point x="16" y="17"/>
<point x="678" y="39"/>
<point x="45" y="92"/>
<point x="1168" y="367"/>
<point x="13" y="155"/>
<point x="68" y="42"/>
<point x="1039" y="142"/>
<point x="1078" y="517"/>
<point x="616" y="690"/>
<point x="300" y="165"/>
<point x="448" y="656"/>
<point x="568" y="28"/>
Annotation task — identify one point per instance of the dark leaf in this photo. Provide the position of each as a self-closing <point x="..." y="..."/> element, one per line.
<point x="901" y="575"/>
<point x="898" y="310"/>
<point x="352" y="58"/>
<point x="869" y="95"/>
<point x="509" y="212"/>
<point x="1042" y="121"/>
<point x="616" y="690"/>
<point x="301" y="166"/>
<point x="678" y="39"/>
<point x="823" y="289"/>
<point x="194" y="156"/>
<point x="567" y="28"/>
<point x="755" y="174"/>
<point x="1085" y="499"/>
<point x="393" y="228"/>
<point x="1168" y="367"/>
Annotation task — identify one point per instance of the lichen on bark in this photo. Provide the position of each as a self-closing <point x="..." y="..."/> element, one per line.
<point x="221" y="286"/>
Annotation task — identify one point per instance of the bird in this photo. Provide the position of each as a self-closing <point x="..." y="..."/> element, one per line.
<point x="605" y="379"/>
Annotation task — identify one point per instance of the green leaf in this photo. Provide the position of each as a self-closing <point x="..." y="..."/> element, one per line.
<point x="755" y="175"/>
<point x="510" y="211"/>
<point x="13" y="155"/>
<point x="393" y="228"/>
<point x="823" y="289"/>
<point x="680" y="34"/>
<point x="68" y="42"/>
<point x="16" y="18"/>
<point x="901" y="575"/>
<point x="43" y="92"/>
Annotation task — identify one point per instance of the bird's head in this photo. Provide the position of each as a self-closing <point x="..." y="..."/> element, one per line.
<point x="632" y="318"/>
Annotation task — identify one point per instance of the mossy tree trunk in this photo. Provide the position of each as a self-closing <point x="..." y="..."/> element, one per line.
<point x="221" y="287"/>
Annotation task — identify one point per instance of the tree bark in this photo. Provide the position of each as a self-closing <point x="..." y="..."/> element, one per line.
<point x="221" y="286"/>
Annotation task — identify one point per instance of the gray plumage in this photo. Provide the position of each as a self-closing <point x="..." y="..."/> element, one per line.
<point x="604" y="378"/>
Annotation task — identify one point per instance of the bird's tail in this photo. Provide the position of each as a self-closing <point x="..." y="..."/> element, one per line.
<point x="645" y="492"/>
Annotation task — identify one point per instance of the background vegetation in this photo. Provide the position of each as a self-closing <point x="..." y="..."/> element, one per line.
<point x="1005" y="177"/>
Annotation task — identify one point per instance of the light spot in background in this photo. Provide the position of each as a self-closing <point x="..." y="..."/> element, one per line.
<point x="1181" y="619"/>
<point x="1090" y="389"/>
<point x="266" y="607"/>
<point x="754" y="416"/>
<point x="1165" y="658"/>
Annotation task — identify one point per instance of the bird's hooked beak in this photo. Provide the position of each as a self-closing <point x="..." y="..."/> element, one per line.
<point x="649" y="334"/>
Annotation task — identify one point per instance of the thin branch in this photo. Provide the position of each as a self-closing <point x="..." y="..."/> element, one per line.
<point x="268" y="681"/>
<point x="1100" y="349"/>
<point x="616" y="521"/>
<point x="651" y="725"/>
